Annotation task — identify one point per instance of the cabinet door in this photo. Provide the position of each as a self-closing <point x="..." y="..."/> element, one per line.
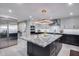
<point x="76" y="40"/>
<point x="62" y="39"/>
<point x="29" y="48"/>
<point x="70" y="39"/>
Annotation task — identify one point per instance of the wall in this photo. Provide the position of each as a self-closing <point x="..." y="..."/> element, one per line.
<point x="22" y="44"/>
<point x="70" y="23"/>
<point x="22" y="27"/>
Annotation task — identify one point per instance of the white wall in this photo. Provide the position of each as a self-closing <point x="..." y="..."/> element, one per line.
<point x="70" y="23"/>
<point x="22" y="44"/>
<point x="22" y="27"/>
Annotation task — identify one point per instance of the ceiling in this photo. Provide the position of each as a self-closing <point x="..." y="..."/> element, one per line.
<point x="23" y="11"/>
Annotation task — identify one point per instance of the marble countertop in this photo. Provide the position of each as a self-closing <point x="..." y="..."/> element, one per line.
<point x="71" y="31"/>
<point x="41" y="39"/>
<point x="68" y="31"/>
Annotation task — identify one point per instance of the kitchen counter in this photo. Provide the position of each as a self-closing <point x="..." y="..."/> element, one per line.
<point x="64" y="31"/>
<point x="41" y="39"/>
<point x="71" y="31"/>
<point x="67" y="32"/>
<point x="43" y="45"/>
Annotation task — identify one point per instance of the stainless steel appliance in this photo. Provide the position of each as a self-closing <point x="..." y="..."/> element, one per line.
<point x="8" y="33"/>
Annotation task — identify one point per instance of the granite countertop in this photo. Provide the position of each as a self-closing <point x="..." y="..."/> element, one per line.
<point x="41" y="39"/>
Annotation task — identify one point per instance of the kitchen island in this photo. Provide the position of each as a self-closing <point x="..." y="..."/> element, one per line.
<point x="43" y="45"/>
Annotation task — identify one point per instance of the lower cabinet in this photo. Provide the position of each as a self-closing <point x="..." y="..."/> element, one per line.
<point x="50" y="50"/>
<point x="70" y="39"/>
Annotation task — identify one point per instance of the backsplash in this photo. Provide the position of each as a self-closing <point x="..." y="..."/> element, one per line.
<point x="53" y="29"/>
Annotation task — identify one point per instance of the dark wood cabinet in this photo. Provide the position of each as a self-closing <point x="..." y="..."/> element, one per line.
<point x="70" y="39"/>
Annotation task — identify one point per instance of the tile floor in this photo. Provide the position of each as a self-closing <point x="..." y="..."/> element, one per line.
<point x="16" y="50"/>
<point x="5" y="43"/>
<point x="21" y="50"/>
<point x="65" y="51"/>
<point x="11" y="51"/>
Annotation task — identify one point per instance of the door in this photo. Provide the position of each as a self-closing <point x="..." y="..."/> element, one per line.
<point x="12" y="33"/>
<point x="8" y="33"/>
<point x="3" y="35"/>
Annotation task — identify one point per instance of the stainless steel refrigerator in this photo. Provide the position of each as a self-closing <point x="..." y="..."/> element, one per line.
<point x="8" y="33"/>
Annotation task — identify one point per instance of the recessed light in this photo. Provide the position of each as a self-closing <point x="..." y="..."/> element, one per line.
<point x="10" y="11"/>
<point x="70" y="4"/>
<point x="71" y="13"/>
